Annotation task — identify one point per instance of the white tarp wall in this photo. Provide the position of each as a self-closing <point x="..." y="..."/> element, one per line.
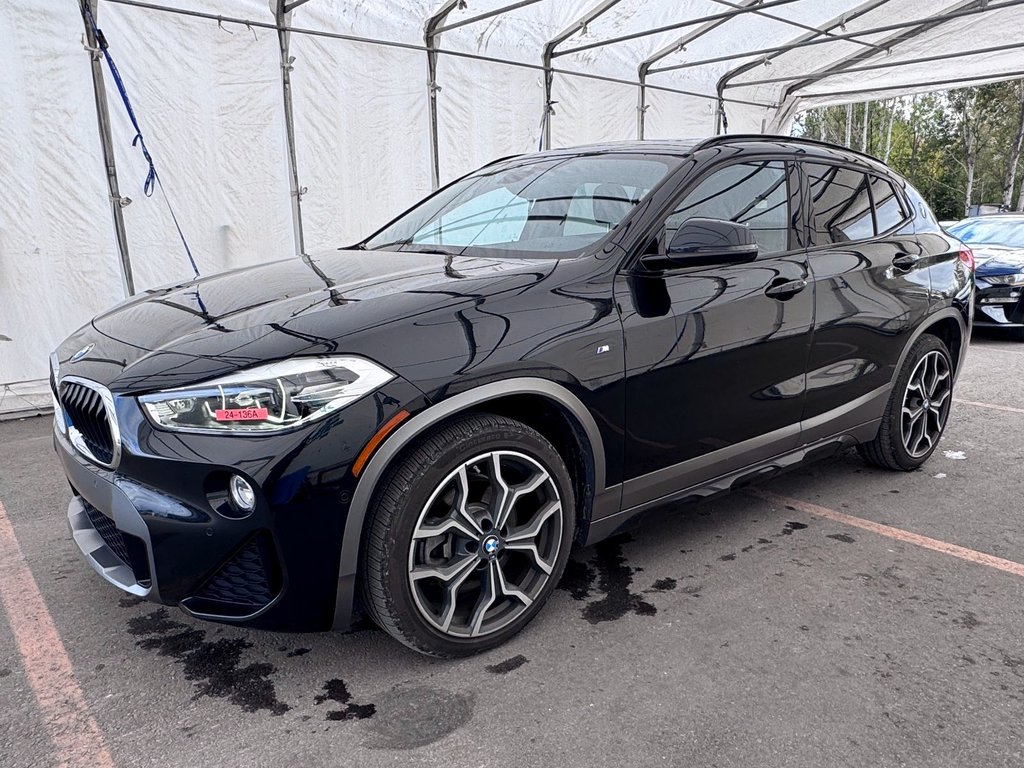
<point x="209" y="98"/>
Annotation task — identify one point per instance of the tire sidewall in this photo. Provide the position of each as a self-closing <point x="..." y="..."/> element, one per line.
<point x="922" y="347"/>
<point x="426" y="478"/>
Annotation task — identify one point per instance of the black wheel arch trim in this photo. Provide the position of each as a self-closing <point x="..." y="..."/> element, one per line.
<point x="605" y="501"/>
<point x="930" y="321"/>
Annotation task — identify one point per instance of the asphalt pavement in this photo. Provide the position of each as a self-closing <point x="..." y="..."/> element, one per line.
<point x="745" y="631"/>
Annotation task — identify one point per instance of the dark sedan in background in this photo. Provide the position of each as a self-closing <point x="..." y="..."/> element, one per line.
<point x="998" y="245"/>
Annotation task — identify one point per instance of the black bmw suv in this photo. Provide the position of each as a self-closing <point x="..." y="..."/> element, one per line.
<point x="421" y="426"/>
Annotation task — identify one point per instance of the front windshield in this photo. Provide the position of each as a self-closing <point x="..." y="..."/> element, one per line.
<point x="1007" y="232"/>
<point x="527" y="207"/>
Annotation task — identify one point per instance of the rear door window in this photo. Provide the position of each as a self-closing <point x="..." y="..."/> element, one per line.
<point x="840" y="204"/>
<point x="889" y="212"/>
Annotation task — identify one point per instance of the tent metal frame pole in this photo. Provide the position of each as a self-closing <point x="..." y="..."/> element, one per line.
<point x="888" y="65"/>
<point x="281" y="15"/>
<point x="484" y="16"/>
<point x="677" y="25"/>
<point x="888" y="43"/>
<point x="549" y="52"/>
<point x="117" y="203"/>
<point x="845" y="37"/>
<point x="431" y="38"/>
<point x="925" y="84"/>
<point x="676" y="47"/>
<point x="793" y="23"/>
<point x="252" y="23"/>
<point x="825" y="30"/>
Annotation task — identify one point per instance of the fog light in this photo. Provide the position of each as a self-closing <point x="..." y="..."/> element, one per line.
<point x="242" y="493"/>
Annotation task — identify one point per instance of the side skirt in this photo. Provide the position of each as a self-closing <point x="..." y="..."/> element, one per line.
<point x="829" y="446"/>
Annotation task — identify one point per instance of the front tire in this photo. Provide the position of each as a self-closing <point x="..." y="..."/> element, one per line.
<point x="470" y="533"/>
<point x="918" y="409"/>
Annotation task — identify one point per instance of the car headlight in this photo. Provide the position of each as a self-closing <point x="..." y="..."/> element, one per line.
<point x="1016" y="278"/>
<point x="267" y="398"/>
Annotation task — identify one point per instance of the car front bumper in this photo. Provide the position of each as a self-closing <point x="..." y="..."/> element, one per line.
<point x="999" y="304"/>
<point x="155" y="526"/>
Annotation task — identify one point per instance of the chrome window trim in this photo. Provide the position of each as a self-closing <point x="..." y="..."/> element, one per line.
<point x="75" y="437"/>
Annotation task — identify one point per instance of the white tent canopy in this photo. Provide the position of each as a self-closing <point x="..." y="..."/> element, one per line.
<point x="374" y="101"/>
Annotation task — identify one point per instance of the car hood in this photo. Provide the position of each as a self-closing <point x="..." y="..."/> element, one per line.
<point x="997" y="260"/>
<point x="334" y="303"/>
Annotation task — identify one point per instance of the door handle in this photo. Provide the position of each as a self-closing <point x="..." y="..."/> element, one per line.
<point x="904" y="260"/>
<point x="783" y="289"/>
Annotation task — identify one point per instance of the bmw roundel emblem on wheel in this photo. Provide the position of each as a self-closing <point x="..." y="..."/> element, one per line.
<point x="418" y="428"/>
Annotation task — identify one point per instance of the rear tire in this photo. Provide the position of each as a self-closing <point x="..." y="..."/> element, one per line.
<point x="469" y="536"/>
<point x="918" y="409"/>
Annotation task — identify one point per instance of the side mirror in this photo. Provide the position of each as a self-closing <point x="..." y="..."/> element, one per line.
<point x="704" y="242"/>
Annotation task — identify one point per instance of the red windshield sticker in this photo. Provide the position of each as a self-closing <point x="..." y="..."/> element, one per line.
<point x="241" y="414"/>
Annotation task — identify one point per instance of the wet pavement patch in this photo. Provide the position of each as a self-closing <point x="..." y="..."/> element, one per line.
<point x="967" y="620"/>
<point x="793" y="526"/>
<point x="664" y="585"/>
<point x="577" y="580"/>
<point x="412" y="717"/>
<point x="614" y="578"/>
<point x="508" y="665"/>
<point x="129" y="601"/>
<point x="843" y="537"/>
<point x="335" y="690"/>
<point x="213" y="666"/>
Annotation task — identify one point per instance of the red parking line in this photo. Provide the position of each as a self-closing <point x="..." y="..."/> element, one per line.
<point x="1007" y="408"/>
<point x="899" y="534"/>
<point x="76" y="736"/>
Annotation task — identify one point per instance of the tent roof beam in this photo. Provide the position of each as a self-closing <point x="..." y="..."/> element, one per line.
<point x="887" y="65"/>
<point x="847" y="36"/>
<point x="955" y="82"/>
<point x="677" y="25"/>
<point x="483" y="16"/>
<point x="836" y="23"/>
<point x="680" y="45"/>
<point x="792" y="22"/>
<point x="893" y="41"/>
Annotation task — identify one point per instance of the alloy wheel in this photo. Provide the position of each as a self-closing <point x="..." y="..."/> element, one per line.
<point x="485" y="544"/>
<point x="926" y="404"/>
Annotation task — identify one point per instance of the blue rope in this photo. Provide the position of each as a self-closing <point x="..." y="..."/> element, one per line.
<point x="152" y="178"/>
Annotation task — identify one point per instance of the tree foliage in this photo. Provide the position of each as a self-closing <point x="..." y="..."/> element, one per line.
<point x="959" y="148"/>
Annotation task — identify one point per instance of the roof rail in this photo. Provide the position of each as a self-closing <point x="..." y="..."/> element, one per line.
<point x="725" y="138"/>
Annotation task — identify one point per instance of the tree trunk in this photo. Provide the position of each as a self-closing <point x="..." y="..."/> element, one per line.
<point x="915" y="136"/>
<point x="888" y="131"/>
<point x="849" y="125"/>
<point x="970" y="155"/>
<point x="1010" y="177"/>
<point x="864" y="145"/>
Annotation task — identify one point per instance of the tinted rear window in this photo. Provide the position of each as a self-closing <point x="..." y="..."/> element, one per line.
<point x="889" y="212"/>
<point x="840" y="204"/>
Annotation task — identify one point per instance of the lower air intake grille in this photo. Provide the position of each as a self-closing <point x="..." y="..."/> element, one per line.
<point x="108" y="532"/>
<point x="247" y="582"/>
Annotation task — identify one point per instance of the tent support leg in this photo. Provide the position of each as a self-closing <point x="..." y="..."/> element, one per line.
<point x="548" y="54"/>
<point x="431" y="38"/>
<point x="641" y="105"/>
<point x="281" y="14"/>
<point x="117" y="203"/>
